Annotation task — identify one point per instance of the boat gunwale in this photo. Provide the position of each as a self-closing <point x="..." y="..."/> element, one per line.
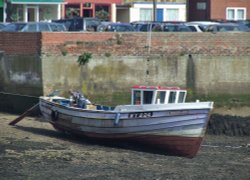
<point x="122" y="112"/>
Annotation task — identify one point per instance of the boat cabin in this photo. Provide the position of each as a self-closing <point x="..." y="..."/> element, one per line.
<point x="157" y="95"/>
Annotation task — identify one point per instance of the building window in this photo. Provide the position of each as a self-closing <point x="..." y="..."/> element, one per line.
<point x="87" y="5"/>
<point x="201" y="6"/>
<point x="72" y="10"/>
<point x="146" y="14"/>
<point x="102" y="12"/>
<point x="172" y="14"/>
<point x="236" y="13"/>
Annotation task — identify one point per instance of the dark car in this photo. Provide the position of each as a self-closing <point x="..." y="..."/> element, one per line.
<point x="146" y="26"/>
<point x="245" y="24"/>
<point x="34" y="27"/>
<point x="115" y="27"/>
<point x="14" y="27"/>
<point x="80" y="23"/>
<point x="2" y="25"/>
<point x="225" y="27"/>
<point x="170" y="27"/>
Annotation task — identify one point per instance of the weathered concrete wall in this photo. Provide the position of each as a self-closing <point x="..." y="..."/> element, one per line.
<point x="104" y="75"/>
<point x="221" y="75"/>
<point x="20" y="63"/>
<point x="20" y="82"/>
<point x="204" y="75"/>
<point x="20" y="71"/>
<point x="21" y="75"/>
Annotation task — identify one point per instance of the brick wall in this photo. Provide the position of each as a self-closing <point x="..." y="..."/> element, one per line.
<point x="218" y="8"/>
<point x="126" y="44"/>
<point x="135" y="44"/>
<point x="20" y="43"/>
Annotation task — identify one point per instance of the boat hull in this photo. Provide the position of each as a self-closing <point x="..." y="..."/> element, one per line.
<point x="169" y="145"/>
<point x="175" y="131"/>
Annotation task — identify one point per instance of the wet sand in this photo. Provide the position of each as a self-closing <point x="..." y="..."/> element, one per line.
<point x="34" y="150"/>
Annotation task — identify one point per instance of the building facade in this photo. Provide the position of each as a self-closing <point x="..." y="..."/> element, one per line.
<point x="31" y="10"/>
<point x="204" y="10"/>
<point x="105" y="10"/>
<point x="164" y="12"/>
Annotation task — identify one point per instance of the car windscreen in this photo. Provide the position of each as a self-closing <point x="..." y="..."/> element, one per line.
<point x="14" y="27"/>
<point x="57" y="27"/>
<point x="176" y="28"/>
<point x="119" y="28"/>
<point x="92" y="24"/>
<point x="146" y="27"/>
<point x="30" y="28"/>
<point x="44" y="27"/>
<point x="228" y="28"/>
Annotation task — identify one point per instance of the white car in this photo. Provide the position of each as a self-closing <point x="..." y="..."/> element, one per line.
<point x="200" y="26"/>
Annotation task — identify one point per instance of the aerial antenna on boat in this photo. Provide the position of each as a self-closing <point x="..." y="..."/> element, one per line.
<point x="149" y="34"/>
<point x="150" y="28"/>
<point x="148" y="46"/>
<point x="149" y="38"/>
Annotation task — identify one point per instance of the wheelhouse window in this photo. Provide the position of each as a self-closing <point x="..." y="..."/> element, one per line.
<point x="160" y="97"/>
<point x="181" y="97"/>
<point x="172" y="97"/>
<point x="137" y="97"/>
<point x="147" y="97"/>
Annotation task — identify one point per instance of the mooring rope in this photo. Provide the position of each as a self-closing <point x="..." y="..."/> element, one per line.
<point x="13" y="94"/>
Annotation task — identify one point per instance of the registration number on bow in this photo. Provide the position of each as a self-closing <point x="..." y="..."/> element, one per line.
<point x="140" y="115"/>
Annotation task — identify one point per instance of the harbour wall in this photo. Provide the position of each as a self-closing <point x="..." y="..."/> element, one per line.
<point x="34" y="64"/>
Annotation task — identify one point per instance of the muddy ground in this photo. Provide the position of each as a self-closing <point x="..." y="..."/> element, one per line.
<point x="34" y="150"/>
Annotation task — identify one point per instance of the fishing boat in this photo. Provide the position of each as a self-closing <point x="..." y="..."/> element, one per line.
<point x="157" y="116"/>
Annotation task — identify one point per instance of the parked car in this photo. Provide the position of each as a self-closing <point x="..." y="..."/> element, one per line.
<point x="34" y="27"/>
<point x="146" y="26"/>
<point x="115" y="27"/>
<point x="195" y="27"/>
<point x="170" y="27"/>
<point x="2" y="25"/>
<point x="80" y="23"/>
<point x="224" y="27"/>
<point x="244" y="24"/>
<point x="13" y="27"/>
<point x="200" y="26"/>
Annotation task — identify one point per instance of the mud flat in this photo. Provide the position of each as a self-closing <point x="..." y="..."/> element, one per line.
<point x="34" y="150"/>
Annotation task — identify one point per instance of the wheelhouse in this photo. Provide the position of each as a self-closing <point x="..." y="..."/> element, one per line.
<point x="157" y="95"/>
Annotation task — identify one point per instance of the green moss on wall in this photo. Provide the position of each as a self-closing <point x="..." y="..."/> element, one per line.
<point x="117" y="98"/>
<point x="224" y="100"/>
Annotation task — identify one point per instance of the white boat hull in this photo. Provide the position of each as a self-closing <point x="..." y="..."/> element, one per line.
<point x="178" y="129"/>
